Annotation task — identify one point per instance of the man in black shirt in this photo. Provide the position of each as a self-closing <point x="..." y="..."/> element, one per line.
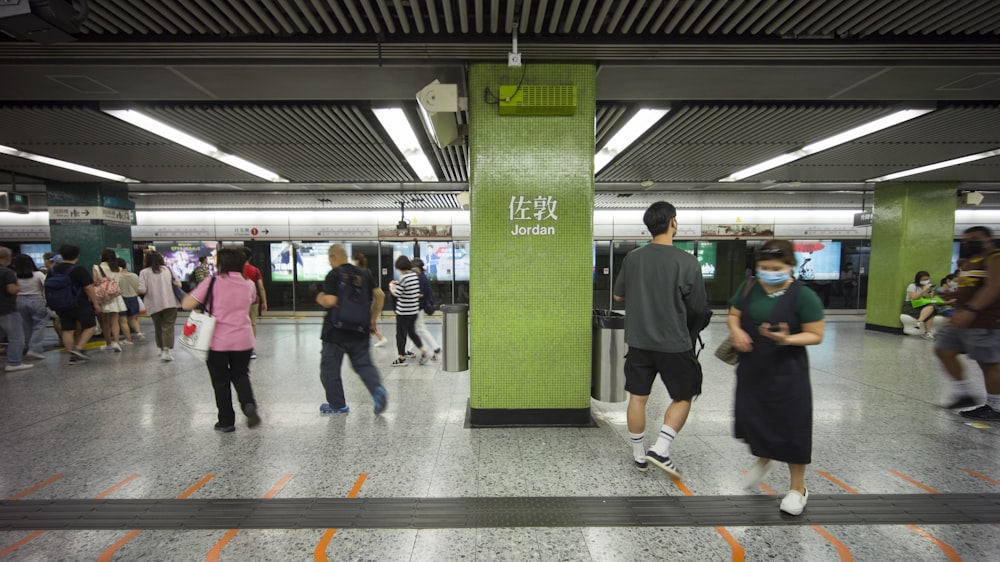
<point x="339" y="341"/>
<point x="86" y="306"/>
<point x="10" y="319"/>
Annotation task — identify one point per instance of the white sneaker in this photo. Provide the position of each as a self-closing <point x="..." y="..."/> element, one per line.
<point x="910" y="325"/>
<point x="928" y="336"/>
<point x="103" y="347"/>
<point x="33" y="355"/>
<point x="21" y="367"/>
<point x="381" y="342"/>
<point x="166" y="356"/>
<point x="794" y="502"/>
<point x="140" y="335"/>
<point x="757" y="473"/>
<point x="115" y="347"/>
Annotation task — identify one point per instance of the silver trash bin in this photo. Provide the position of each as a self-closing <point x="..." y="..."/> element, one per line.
<point x="455" y="333"/>
<point x="607" y="365"/>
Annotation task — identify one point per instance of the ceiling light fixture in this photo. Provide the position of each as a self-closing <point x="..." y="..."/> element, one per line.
<point x="395" y="123"/>
<point x="161" y="129"/>
<point x="937" y="166"/>
<point x="828" y="143"/>
<point x="9" y="151"/>
<point x="641" y="122"/>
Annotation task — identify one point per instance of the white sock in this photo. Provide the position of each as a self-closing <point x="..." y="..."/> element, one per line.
<point x="662" y="446"/>
<point x="638" y="451"/>
<point x="993" y="400"/>
<point x="962" y="387"/>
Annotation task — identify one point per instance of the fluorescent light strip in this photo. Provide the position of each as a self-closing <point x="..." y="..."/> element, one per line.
<point x="636" y="126"/>
<point x="161" y="129"/>
<point x="395" y="123"/>
<point x="937" y="166"/>
<point x="828" y="143"/>
<point x="66" y="165"/>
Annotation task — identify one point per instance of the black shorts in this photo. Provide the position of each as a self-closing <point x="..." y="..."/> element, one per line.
<point x="680" y="372"/>
<point x="84" y="314"/>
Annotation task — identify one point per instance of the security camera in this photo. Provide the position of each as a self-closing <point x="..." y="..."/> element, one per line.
<point x="439" y="105"/>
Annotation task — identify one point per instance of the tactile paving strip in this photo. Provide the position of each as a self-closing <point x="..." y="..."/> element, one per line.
<point x="438" y="513"/>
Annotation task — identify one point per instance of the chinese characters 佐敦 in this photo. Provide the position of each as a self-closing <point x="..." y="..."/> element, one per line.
<point x="540" y="209"/>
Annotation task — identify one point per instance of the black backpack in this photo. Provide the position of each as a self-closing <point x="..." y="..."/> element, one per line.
<point x="61" y="293"/>
<point x="353" y="312"/>
<point x="695" y="324"/>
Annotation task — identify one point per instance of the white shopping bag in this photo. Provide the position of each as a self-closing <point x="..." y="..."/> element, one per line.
<point x="197" y="335"/>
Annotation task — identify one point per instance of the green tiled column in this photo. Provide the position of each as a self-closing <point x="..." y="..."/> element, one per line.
<point x="913" y="229"/>
<point x="532" y="186"/>
<point x="90" y="233"/>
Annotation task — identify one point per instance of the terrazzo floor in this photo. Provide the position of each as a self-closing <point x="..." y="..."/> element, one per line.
<point x="129" y="426"/>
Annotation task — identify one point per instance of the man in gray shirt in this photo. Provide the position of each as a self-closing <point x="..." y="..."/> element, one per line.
<point x="662" y="288"/>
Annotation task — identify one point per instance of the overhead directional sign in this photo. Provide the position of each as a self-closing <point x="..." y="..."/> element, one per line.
<point x="92" y="215"/>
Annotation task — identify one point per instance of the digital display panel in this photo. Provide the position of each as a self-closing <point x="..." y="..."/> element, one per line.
<point x="445" y="261"/>
<point x="36" y="251"/>
<point x="400" y="249"/>
<point x="706" y="259"/>
<point x="818" y="260"/>
<point x="182" y="257"/>
<point x="311" y="261"/>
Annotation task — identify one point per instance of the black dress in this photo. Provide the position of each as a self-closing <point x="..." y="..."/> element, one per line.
<point x="773" y="395"/>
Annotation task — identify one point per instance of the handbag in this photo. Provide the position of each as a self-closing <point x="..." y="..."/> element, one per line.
<point x="179" y="293"/>
<point x="106" y="289"/>
<point x="199" y="328"/>
<point x="726" y="352"/>
<point x="920" y="303"/>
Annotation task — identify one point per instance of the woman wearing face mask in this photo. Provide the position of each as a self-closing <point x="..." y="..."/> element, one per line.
<point x="770" y="324"/>
<point x="919" y="320"/>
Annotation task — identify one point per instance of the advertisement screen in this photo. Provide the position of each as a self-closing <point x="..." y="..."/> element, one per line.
<point x="445" y="261"/>
<point x="706" y="259"/>
<point x="311" y="261"/>
<point x="400" y="249"/>
<point x="182" y="257"/>
<point x="818" y="260"/>
<point x="36" y="251"/>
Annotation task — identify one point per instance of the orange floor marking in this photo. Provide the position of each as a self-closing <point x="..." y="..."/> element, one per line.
<point x="35" y="487"/>
<point x="37" y="534"/>
<point x="213" y="555"/>
<point x="914" y="482"/>
<point x="110" y="552"/>
<point x="826" y="475"/>
<point x="842" y="550"/>
<point x="112" y="489"/>
<point x="948" y="551"/>
<point x="20" y="543"/>
<point x="977" y="475"/>
<point x="734" y="545"/>
<point x="320" y="553"/>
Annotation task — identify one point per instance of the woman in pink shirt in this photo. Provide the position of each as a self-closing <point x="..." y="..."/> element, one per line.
<point x="233" y="339"/>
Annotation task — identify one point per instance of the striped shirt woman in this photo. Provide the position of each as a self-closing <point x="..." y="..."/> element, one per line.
<point x="407" y="294"/>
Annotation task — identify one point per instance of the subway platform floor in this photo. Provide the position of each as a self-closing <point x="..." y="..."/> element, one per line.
<point x="89" y="446"/>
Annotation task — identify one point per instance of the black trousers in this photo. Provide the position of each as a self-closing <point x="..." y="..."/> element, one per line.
<point x="230" y="369"/>
<point x="406" y="325"/>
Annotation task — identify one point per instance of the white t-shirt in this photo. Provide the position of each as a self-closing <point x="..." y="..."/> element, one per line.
<point x="914" y="288"/>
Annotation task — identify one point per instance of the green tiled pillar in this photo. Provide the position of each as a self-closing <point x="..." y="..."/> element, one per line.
<point x="913" y="228"/>
<point x="532" y="186"/>
<point x="90" y="215"/>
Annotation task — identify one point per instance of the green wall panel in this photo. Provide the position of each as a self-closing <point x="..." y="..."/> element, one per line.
<point x="913" y="229"/>
<point x="530" y="294"/>
<point x="91" y="236"/>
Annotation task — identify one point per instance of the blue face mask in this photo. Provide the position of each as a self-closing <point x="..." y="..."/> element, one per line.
<point x="774" y="277"/>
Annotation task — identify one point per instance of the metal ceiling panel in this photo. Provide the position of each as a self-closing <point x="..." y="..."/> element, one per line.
<point x="704" y="142"/>
<point x="690" y="18"/>
<point x="335" y="143"/>
<point x="83" y="135"/>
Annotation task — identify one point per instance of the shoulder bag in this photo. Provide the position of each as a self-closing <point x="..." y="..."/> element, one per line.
<point x="106" y="289"/>
<point x="199" y="327"/>
<point x="726" y="352"/>
<point x="179" y="293"/>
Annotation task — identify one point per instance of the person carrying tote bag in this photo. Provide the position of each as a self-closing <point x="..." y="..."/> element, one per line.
<point x="232" y="341"/>
<point x="156" y="286"/>
<point x="196" y="337"/>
